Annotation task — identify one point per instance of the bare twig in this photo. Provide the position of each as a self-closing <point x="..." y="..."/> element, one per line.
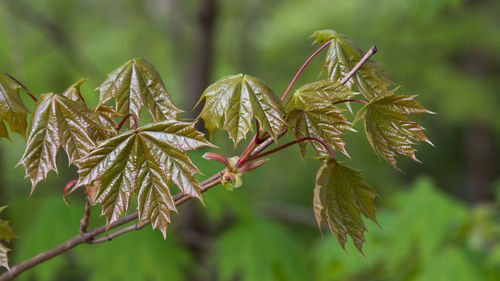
<point x="84" y="223"/>
<point x="366" y="57"/>
<point x="109" y="237"/>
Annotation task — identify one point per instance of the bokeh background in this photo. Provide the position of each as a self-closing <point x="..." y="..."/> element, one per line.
<point x="440" y="220"/>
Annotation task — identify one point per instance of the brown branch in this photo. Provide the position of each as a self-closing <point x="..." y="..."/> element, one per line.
<point x="366" y="57"/>
<point x="84" y="223"/>
<point x="109" y="237"/>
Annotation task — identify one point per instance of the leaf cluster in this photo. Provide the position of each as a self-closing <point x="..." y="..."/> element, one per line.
<point x="144" y="161"/>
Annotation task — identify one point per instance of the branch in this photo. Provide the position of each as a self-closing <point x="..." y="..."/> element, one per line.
<point x="366" y="57"/>
<point x="84" y="223"/>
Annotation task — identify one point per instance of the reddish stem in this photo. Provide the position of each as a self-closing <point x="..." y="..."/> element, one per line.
<point x="24" y="88"/>
<point x="287" y="145"/>
<point x="125" y="119"/>
<point x="251" y="145"/>
<point x="354" y="100"/>
<point x="302" y="68"/>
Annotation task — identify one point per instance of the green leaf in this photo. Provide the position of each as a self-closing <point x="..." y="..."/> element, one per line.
<point x="256" y="249"/>
<point x="57" y="122"/>
<point x="12" y="109"/>
<point x="144" y="162"/>
<point x="322" y="121"/>
<point x="237" y="99"/>
<point x="6" y="234"/>
<point x="340" y="197"/>
<point x="134" y="85"/>
<point x="371" y="79"/>
<point x="323" y="91"/>
<point x="388" y="128"/>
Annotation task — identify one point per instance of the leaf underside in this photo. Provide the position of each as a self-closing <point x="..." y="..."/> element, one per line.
<point x="388" y="127"/>
<point x="238" y="99"/>
<point x="134" y="85"/>
<point x="6" y="234"/>
<point x="371" y="79"/>
<point x="340" y="197"/>
<point x="12" y="109"/>
<point x="58" y="122"/>
<point x="144" y="162"/>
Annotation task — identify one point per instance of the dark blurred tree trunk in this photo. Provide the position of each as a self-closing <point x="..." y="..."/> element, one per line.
<point x="199" y="71"/>
<point x="479" y="163"/>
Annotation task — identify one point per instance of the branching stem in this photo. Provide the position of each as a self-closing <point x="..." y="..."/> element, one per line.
<point x="255" y="157"/>
<point x="130" y="115"/>
<point x="24" y="88"/>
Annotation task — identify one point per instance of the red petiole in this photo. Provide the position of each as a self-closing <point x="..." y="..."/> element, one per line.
<point x="125" y="119"/>
<point x="287" y="145"/>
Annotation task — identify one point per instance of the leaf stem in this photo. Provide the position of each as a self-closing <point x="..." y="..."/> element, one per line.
<point x="302" y="68"/>
<point x="348" y="100"/>
<point x="366" y="57"/>
<point x="22" y="86"/>
<point x="125" y="119"/>
<point x="287" y="145"/>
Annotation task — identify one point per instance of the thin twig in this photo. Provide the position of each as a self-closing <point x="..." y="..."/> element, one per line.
<point x="84" y="223"/>
<point x="109" y="237"/>
<point x="366" y="57"/>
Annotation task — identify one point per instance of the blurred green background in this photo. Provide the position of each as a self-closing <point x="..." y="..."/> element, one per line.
<point x="440" y="220"/>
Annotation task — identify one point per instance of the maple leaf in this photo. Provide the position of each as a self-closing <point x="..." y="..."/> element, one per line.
<point x="144" y="162"/>
<point x="74" y="93"/>
<point x="12" y="109"/>
<point x="371" y="79"/>
<point x="57" y="122"/>
<point x="134" y="85"/>
<point x="388" y="128"/>
<point x="6" y="234"/>
<point x="340" y="197"/>
<point x="237" y="99"/>
<point x="322" y="121"/>
<point x="323" y="91"/>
